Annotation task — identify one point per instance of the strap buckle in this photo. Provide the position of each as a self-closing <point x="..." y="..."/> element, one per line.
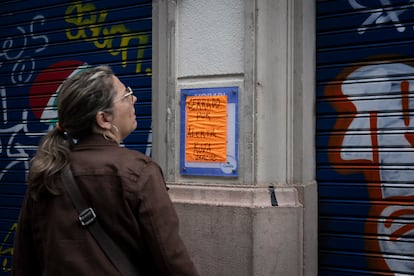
<point x="87" y="216"/>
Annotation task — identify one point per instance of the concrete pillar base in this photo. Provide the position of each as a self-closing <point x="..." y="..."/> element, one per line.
<point x="237" y="231"/>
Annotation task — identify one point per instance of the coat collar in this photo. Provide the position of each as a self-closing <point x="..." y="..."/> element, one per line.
<point x="94" y="139"/>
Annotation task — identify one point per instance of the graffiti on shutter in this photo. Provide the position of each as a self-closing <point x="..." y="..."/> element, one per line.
<point x="41" y="44"/>
<point x="365" y="162"/>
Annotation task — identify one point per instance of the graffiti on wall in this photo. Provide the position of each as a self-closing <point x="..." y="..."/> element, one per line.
<point x="385" y="151"/>
<point x="382" y="15"/>
<point x="90" y="24"/>
<point x="30" y="75"/>
<point x="19" y="52"/>
<point x="374" y="135"/>
<point x="6" y="250"/>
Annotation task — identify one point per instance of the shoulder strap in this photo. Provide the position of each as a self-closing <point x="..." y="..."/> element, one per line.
<point x="87" y="218"/>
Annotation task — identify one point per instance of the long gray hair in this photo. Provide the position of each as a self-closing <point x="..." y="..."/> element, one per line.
<point x="80" y="98"/>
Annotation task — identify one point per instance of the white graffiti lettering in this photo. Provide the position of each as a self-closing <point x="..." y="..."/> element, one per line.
<point x="15" y="49"/>
<point x="381" y="15"/>
<point x="45" y="39"/>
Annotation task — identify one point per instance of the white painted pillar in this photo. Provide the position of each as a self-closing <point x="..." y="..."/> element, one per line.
<point x="265" y="48"/>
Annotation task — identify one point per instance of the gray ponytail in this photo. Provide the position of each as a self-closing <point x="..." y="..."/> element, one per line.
<point x="80" y="98"/>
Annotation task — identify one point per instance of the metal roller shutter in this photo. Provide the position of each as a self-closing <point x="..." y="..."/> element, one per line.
<point x="41" y="43"/>
<point x="365" y="145"/>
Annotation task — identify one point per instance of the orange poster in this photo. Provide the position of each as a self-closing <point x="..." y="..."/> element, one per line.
<point x="206" y="129"/>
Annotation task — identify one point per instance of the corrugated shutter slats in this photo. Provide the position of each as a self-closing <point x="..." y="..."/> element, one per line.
<point x="365" y="153"/>
<point x="41" y="43"/>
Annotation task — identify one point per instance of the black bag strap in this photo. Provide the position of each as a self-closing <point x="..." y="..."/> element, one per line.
<point x="87" y="218"/>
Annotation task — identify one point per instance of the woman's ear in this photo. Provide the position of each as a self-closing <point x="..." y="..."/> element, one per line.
<point x="104" y="120"/>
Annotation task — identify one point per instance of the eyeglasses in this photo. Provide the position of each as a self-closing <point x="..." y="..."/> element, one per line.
<point x="129" y="94"/>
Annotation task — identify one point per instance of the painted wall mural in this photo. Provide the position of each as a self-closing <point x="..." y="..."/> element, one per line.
<point x="41" y="44"/>
<point x="366" y="137"/>
<point x="386" y="156"/>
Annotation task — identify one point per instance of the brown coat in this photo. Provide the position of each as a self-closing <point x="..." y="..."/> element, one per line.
<point x="128" y="193"/>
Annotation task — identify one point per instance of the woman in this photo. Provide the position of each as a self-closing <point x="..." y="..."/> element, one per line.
<point x="125" y="188"/>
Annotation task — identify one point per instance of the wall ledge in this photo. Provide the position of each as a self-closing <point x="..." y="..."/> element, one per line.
<point x="251" y="197"/>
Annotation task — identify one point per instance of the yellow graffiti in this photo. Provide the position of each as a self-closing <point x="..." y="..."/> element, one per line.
<point x="7" y="251"/>
<point x="90" y="26"/>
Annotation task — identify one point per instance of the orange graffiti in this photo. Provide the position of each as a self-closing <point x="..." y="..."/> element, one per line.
<point x="391" y="205"/>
